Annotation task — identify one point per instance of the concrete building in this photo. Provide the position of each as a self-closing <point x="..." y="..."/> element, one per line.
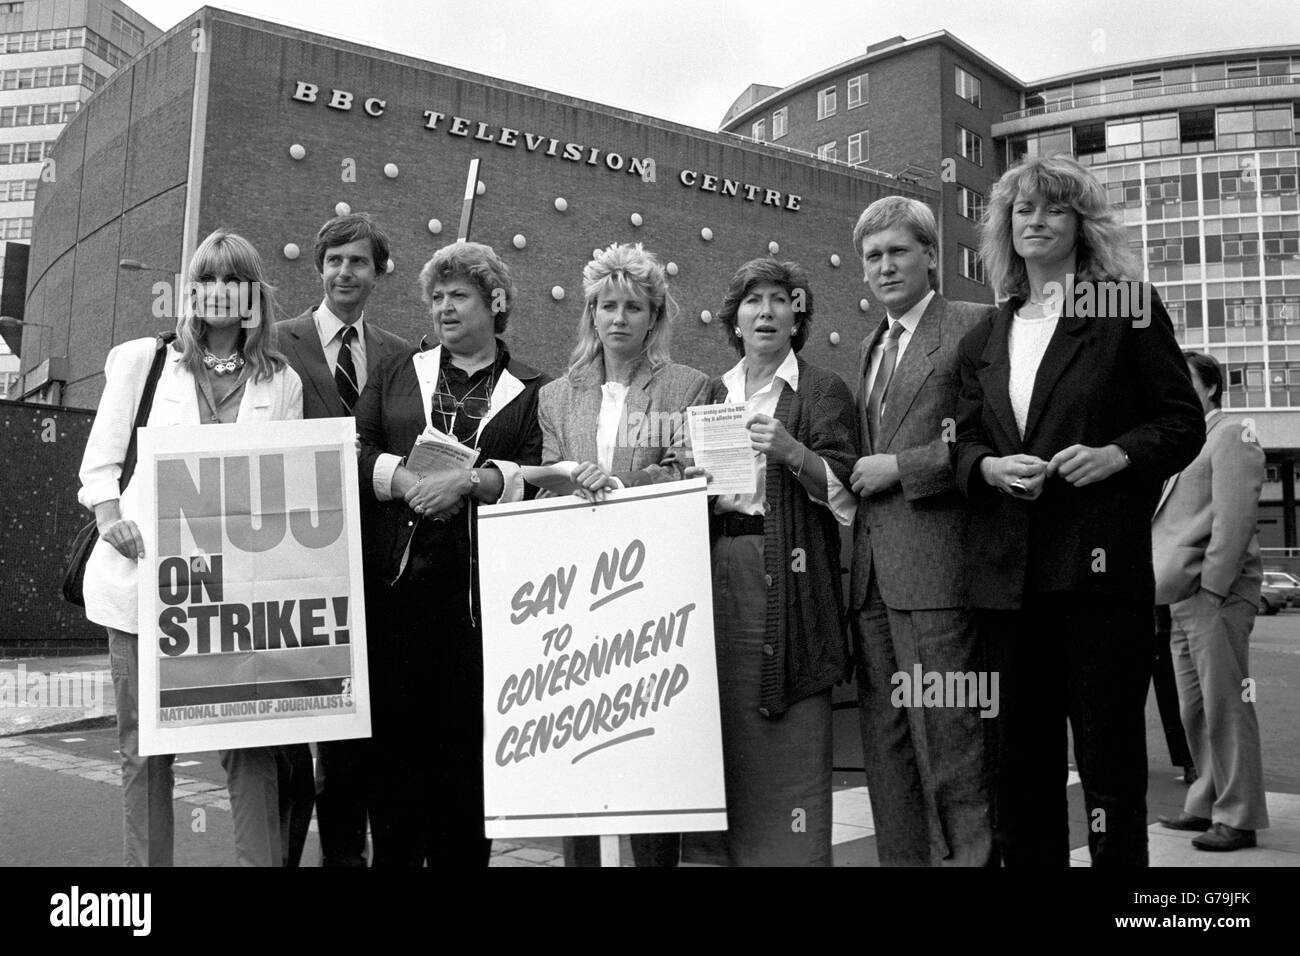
<point x="1198" y="152"/>
<point x="268" y="130"/>
<point x="920" y="110"/>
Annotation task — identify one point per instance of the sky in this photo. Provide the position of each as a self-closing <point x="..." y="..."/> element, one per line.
<point x="688" y="60"/>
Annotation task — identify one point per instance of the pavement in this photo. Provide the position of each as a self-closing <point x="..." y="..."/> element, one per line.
<point x="57" y="717"/>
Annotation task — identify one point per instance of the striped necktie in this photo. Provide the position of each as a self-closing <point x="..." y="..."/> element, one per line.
<point x="345" y="374"/>
<point x="885" y="372"/>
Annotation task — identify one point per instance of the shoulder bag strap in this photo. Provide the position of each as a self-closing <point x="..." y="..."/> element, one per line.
<point x="146" y="405"/>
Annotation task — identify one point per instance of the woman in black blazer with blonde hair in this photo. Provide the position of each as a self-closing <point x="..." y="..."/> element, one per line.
<point x="1075" y="405"/>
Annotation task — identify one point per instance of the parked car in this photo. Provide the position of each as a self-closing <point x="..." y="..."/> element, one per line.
<point x="1286" y="584"/>
<point x="1271" y="600"/>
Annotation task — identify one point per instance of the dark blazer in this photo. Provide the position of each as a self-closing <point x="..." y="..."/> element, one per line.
<point x="1101" y="381"/>
<point x="298" y="340"/>
<point x="654" y="419"/>
<point x="393" y="411"/>
<point x="914" y="535"/>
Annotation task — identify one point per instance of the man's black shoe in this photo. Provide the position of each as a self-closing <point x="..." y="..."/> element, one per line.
<point x="1185" y="821"/>
<point x="1224" y="839"/>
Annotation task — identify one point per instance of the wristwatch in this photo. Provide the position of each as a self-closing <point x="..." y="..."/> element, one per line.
<point x="474" y="479"/>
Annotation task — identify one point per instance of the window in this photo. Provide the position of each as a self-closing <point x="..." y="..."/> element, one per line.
<point x="23" y="152"/>
<point x="859" y="147"/>
<point x="972" y="266"/>
<point x="970" y="145"/>
<point x="16" y="228"/>
<point x="759" y="129"/>
<point x="35" y="77"/>
<point x="780" y="120"/>
<point x="1090" y="138"/>
<point x="857" y="90"/>
<point x="18" y="190"/>
<point x="1195" y="126"/>
<point x="37" y="115"/>
<point x="11" y="8"/>
<point x="828" y="151"/>
<point x="968" y="87"/>
<point x="826" y="103"/>
<point x="970" y="203"/>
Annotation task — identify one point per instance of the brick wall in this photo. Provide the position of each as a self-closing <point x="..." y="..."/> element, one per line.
<point x="38" y="519"/>
<point x="252" y="185"/>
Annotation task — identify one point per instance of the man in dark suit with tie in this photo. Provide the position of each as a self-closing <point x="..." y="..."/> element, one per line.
<point x="335" y="351"/>
<point x="925" y="765"/>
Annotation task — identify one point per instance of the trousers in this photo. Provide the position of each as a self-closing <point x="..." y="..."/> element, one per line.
<point x="1082" y="659"/>
<point x="1211" y="651"/>
<point x="926" y="766"/>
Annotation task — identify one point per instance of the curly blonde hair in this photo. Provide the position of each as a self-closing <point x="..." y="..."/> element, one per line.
<point x="1101" y="247"/>
<point x="629" y="267"/>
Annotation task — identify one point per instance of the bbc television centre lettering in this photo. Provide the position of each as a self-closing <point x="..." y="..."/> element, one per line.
<point x="544" y="145"/>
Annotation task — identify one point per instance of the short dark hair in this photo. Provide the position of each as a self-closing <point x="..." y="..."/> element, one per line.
<point x="1210" y="372"/>
<point x="788" y="275"/>
<point x="341" y="230"/>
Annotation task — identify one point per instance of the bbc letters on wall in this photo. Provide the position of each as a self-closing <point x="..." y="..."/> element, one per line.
<point x="643" y="167"/>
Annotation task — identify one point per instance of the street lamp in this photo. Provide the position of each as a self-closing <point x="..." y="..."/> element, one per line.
<point x="9" y="322"/>
<point x="50" y="375"/>
<point x="135" y="265"/>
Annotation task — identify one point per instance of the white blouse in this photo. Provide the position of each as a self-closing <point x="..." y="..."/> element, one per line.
<point x="1027" y="344"/>
<point x="843" y="504"/>
<point x="613" y="398"/>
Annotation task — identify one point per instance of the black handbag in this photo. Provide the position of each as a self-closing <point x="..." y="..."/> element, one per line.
<point x="84" y="542"/>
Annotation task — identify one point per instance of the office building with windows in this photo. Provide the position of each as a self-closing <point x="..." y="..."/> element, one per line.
<point x="917" y="110"/>
<point x="1199" y="153"/>
<point x="54" y="54"/>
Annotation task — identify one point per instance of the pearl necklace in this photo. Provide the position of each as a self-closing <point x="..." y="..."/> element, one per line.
<point x="226" y="366"/>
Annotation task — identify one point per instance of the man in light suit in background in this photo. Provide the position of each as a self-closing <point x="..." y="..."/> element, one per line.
<point x="335" y="351"/>
<point x="926" y="768"/>
<point x="1207" y="567"/>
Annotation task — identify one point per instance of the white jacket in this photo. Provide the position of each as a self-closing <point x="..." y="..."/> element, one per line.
<point x="110" y="583"/>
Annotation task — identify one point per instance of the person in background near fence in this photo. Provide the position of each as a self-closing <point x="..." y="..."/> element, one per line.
<point x="778" y="604"/>
<point x="336" y="350"/>
<point x="620" y="414"/>
<point x="221" y="368"/>
<point x="1074" y="405"/>
<point x="1208" y="571"/>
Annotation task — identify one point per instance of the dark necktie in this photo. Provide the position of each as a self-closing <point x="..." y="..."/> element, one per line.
<point x="345" y="374"/>
<point x="885" y="372"/>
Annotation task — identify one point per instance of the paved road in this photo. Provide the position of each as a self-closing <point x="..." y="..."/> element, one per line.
<point x="60" y="802"/>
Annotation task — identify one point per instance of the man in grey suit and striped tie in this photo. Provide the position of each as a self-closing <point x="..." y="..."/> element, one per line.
<point x="335" y="351"/>
<point x="927" y="773"/>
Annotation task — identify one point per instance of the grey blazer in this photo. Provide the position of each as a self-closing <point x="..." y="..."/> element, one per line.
<point x="1203" y="534"/>
<point x="913" y="536"/>
<point x="298" y="340"/>
<point x="653" y="434"/>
